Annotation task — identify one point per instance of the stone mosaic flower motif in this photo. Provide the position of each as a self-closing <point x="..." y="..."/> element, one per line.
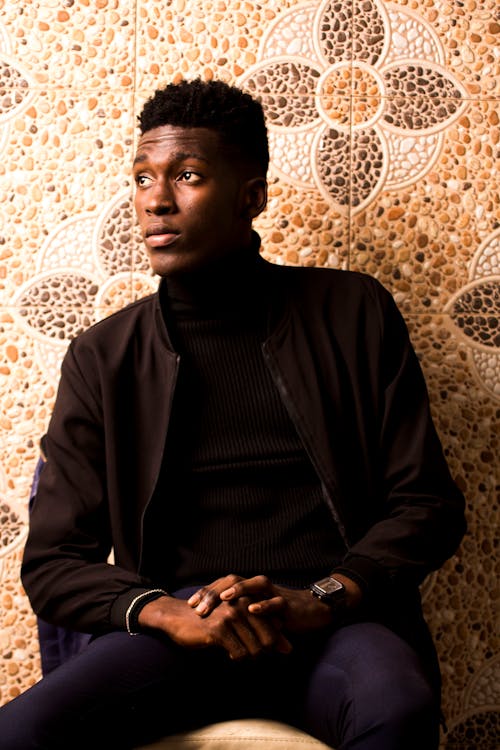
<point x="15" y="91"/>
<point x="475" y="312"/>
<point x="11" y="524"/>
<point x="356" y="96"/>
<point x="88" y="267"/>
<point x="478" y="720"/>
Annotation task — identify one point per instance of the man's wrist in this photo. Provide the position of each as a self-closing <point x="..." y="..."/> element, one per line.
<point x="353" y="591"/>
<point x="136" y="605"/>
<point x="337" y="591"/>
<point x="329" y="591"/>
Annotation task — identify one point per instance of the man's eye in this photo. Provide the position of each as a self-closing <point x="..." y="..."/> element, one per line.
<point x="188" y="176"/>
<point x="141" y="180"/>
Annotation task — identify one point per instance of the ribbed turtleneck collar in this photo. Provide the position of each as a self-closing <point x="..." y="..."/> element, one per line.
<point x="228" y="284"/>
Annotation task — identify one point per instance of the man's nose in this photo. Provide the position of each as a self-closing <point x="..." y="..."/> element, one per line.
<point x="160" y="198"/>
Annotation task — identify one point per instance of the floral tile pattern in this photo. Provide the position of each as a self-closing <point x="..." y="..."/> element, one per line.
<point x="385" y="139"/>
<point x="16" y="86"/>
<point x="475" y="311"/>
<point x="84" y="273"/>
<point x="400" y="97"/>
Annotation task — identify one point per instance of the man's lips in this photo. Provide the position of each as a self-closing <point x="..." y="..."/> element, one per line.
<point x="160" y="236"/>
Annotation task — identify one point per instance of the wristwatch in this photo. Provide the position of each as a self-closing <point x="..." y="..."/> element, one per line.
<point x="330" y="591"/>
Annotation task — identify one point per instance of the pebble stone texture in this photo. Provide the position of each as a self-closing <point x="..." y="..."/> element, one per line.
<point x="384" y="132"/>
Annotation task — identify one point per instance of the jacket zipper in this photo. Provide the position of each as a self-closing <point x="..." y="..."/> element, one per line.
<point x="146" y="506"/>
<point x="295" y="417"/>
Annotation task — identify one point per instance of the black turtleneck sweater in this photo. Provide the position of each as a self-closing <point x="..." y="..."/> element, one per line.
<point x="238" y="493"/>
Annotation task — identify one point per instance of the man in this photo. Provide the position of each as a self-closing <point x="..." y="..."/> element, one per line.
<point x="254" y="443"/>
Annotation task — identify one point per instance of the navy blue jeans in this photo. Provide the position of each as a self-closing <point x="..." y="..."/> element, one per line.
<point x="360" y="688"/>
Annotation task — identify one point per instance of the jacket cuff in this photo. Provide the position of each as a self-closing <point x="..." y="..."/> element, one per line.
<point x="126" y="608"/>
<point x="371" y="577"/>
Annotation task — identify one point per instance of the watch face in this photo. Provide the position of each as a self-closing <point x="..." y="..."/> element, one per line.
<point x="328" y="589"/>
<point x="330" y="585"/>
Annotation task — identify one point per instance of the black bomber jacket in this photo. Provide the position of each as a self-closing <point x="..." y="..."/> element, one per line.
<point x="339" y="352"/>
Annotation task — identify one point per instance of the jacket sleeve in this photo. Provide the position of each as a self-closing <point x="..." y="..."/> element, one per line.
<point x="420" y="519"/>
<point x="66" y="570"/>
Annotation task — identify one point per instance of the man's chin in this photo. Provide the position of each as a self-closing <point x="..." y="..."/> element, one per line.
<point x="168" y="264"/>
<point x="174" y="265"/>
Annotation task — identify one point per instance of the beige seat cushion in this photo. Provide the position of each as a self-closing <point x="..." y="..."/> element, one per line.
<point x="248" y="734"/>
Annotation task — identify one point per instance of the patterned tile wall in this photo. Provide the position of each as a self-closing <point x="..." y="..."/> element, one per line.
<point x="384" y="130"/>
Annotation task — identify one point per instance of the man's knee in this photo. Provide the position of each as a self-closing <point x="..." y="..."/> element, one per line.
<point x="369" y="690"/>
<point x="409" y="714"/>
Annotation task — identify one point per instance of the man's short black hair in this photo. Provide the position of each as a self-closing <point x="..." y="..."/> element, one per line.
<point x="234" y="114"/>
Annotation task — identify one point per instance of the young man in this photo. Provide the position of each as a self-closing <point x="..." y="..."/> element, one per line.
<point x="254" y="443"/>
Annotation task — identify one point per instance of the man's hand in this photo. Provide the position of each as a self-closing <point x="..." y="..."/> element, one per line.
<point x="229" y="625"/>
<point x="296" y="609"/>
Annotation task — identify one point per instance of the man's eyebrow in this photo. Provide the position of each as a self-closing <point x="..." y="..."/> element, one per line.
<point x="179" y="156"/>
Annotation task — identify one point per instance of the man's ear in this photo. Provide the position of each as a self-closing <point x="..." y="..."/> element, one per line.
<point x="255" y="198"/>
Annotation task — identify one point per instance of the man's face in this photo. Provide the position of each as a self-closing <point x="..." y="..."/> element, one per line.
<point x="194" y="203"/>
